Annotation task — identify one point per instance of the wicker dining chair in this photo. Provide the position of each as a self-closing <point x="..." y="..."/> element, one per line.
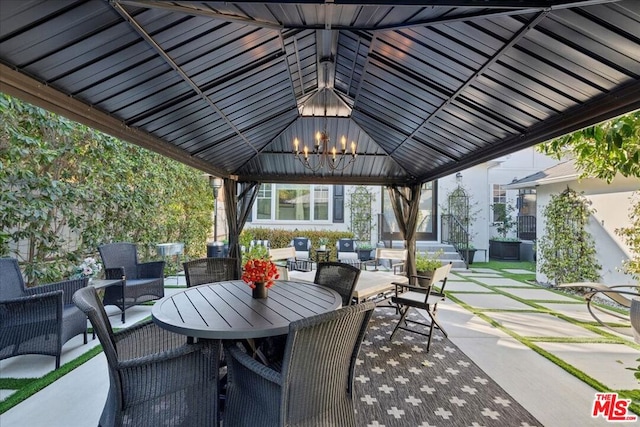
<point x="303" y="393"/>
<point x="340" y="277"/>
<point x="210" y="270"/>
<point x="156" y="378"/>
<point x="37" y="320"/>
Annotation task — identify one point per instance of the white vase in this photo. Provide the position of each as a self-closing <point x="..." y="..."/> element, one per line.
<point x="634" y="315"/>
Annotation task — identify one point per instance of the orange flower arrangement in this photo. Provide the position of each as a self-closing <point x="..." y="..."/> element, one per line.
<point x="260" y="270"/>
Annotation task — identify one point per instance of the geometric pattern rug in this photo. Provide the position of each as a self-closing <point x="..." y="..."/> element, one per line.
<point x="399" y="384"/>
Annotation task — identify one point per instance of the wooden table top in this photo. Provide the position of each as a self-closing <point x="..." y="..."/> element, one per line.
<point x="226" y="310"/>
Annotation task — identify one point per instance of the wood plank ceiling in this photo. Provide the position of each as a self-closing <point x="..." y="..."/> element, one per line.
<point x="424" y="88"/>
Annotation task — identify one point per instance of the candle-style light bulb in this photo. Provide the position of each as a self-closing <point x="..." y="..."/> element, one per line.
<point x="306" y="152"/>
<point x="344" y="144"/>
<point x="334" y="153"/>
<point x="353" y="148"/>
<point x="296" y="144"/>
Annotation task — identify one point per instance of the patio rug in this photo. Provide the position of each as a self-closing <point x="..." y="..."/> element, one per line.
<point x="399" y="384"/>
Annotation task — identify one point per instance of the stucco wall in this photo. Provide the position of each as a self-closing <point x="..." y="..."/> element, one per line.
<point x="612" y="204"/>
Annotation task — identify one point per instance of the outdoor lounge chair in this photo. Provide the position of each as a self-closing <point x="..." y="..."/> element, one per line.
<point x="315" y="384"/>
<point x="37" y="320"/>
<point x="346" y="251"/>
<point x="142" y="281"/>
<point x="408" y="296"/>
<point x="156" y="378"/>
<point x="210" y="270"/>
<point x="302" y="246"/>
<point x="617" y="293"/>
<point x="340" y="277"/>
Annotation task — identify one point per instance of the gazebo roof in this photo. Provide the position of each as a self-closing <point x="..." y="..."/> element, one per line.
<point x="424" y="88"/>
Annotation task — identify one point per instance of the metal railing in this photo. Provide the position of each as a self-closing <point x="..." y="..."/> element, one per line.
<point x="455" y="233"/>
<point x="526" y="227"/>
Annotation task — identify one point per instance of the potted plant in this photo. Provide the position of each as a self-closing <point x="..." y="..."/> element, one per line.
<point x="426" y="263"/>
<point x="505" y="246"/>
<point x="364" y="251"/>
<point x="323" y="241"/>
<point x="467" y="252"/>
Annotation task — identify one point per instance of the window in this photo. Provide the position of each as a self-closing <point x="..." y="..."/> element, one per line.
<point x="499" y="203"/>
<point x="293" y="202"/>
<point x="263" y="202"/>
<point x="321" y="202"/>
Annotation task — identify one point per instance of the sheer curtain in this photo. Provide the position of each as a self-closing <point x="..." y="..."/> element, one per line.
<point x="238" y="207"/>
<point x="405" y="201"/>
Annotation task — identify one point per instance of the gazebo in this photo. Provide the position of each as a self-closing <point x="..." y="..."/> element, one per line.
<point x="422" y="89"/>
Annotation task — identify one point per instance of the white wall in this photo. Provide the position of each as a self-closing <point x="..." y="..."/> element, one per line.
<point x="612" y="204"/>
<point x="479" y="181"/>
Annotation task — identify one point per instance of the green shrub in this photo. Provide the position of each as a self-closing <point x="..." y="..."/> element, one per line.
<point x="279" y="238"/>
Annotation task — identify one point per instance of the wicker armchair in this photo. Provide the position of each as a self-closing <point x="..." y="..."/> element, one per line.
<point x="210" y="270"/>
<point x="156" y="378"/>
<point x="340" y="277"/>
<point x="144" y="282"/>
<point x="37" y="320"/>
<point x="304" y="393"/>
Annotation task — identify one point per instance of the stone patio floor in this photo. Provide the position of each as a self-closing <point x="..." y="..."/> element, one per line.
<point x="558" y="325"/>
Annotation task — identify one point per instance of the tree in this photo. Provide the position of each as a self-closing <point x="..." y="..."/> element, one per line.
<point x="603" y="150"/>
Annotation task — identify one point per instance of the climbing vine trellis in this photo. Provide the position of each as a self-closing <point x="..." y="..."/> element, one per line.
<point x="65" y="188"/>
<point x="567" y="250"/>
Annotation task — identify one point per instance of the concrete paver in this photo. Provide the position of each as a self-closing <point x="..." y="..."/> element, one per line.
<point x="502" y="281"/>
<point x="538" y="294"/>
<point x="606" y="363"/>
<point x="455" y="285"/>
<point x="492" y="301"/>
<point x="538" y="324"/>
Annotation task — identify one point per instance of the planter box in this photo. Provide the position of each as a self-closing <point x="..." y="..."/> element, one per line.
<point x="424" y="281"/>
<point x="472" y="254"/>
<point x="364" y="254"/>
<point x="505" y="251"/>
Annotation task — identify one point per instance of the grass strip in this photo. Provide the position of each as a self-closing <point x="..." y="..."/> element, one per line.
<point x="32" y="386"/>
<point x="595" y="384"/>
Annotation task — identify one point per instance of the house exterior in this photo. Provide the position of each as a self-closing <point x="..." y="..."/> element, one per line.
<point x="611" y="204"/>
<point x="328" y="207"/>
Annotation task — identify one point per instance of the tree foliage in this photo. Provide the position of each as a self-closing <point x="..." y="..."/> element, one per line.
<point x="631" y="236"/>
<point x="603" y="150"/>
<point x="66" y="188"/>
<point x="567" y="249"/>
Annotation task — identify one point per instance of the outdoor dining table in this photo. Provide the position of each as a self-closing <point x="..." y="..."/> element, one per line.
<point x="227" y="310"/>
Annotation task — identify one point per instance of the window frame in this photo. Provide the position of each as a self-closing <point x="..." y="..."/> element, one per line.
<point x="312" y="206"/>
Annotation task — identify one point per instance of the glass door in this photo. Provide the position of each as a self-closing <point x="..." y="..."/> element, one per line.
<point x="426" y="228"/>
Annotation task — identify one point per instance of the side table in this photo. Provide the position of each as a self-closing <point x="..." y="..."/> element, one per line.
<point x="322" y="256"/>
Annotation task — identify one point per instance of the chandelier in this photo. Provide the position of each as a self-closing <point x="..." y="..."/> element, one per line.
<point x="323" y="156"/>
